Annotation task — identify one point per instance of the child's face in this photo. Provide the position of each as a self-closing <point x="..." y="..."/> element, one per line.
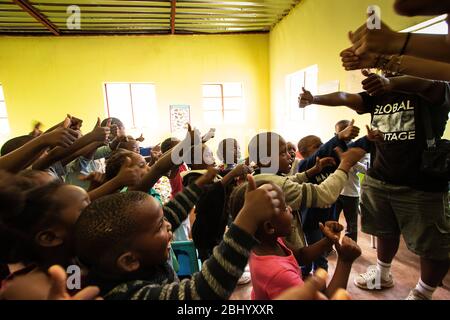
<point x="151" y="245"/>
<point x="132" y="146"/>
<point x="139" y="161"/>
<point x="312" y="145"/>
<point x="73" y="200"/>
<point x="291" y="149"/>
<point x="285" y="159"/>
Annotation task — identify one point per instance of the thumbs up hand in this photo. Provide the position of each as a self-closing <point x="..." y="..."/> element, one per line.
<point x="305" y="98"/>
<point x="260" y="205"/>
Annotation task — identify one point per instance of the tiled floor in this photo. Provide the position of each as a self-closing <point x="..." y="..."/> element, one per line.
<point x="405" y="270"/>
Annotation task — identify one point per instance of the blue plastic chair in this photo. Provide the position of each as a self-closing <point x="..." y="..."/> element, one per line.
<point x="187" y="257"/>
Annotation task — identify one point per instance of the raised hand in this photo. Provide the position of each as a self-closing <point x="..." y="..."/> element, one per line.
<point x="374" y="135"/>
<point x="58" y="288"/>
<point x="75" y="123"/>
<point x="323" y="163"/>
<point x="241" y="170"/>
<point x="101" y="134"/>
<point x="261" y="203"/>
<point x="63" y="136"/>
<point x="350" y="61"/>
<point x="141" y="138"/>
<point x="331" y="230"/>
<point x="375" y="84"/>
<point x="305" y="98"/>
<point x="348" y="250"/>
<point x="349" y="133"/>
<point x="349" y="158"/>
<point x="383" y="40"/>
<point x="129" y="174"/>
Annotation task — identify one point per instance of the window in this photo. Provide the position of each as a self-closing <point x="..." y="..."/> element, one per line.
<point x="307" y="78"/>
<point x="4" y="123"/>
<point x="133" y="103"/>
<point x="291" y="121"/>
<point x="223" y="103"/>
<point x="436" y="25"/>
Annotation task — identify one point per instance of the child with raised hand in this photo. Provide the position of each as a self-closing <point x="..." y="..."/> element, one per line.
<point x="301" y="194"/>
<point x="211" y="216"/>
<point x="55" y="160"/>
<point x="274" y="267"/>
<point x="124" y="239"/>
<point x="22" y="155"/>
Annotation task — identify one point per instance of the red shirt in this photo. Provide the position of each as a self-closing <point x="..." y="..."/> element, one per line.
<point x="177" y="183"/>
<point x="272" y="275"/>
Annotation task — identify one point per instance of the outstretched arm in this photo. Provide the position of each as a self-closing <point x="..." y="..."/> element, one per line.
<point x="431" y="90"/>
<point x="351" y="100"/>
<point x="21" y="157"/>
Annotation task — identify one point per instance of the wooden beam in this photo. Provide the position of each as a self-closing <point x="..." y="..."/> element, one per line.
<point x="173" y="12"/>
<point x="32" y="11"/>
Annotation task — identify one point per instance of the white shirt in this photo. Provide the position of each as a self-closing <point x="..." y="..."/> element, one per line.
<point x="352" y="187"/>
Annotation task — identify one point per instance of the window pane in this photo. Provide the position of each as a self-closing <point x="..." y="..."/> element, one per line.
<point x="119" y="102"/>
<point x="4" y="126"/>
<point x="3" y="113"/>
<point x="212" y="90"/>
<point x="234" y="117"/>
<point x="144" y="105"/>
<point x="212" y="103"/>
<point x="232" y="89"/>
<point x="233" y="103"/>
<point x="213" y="117"/>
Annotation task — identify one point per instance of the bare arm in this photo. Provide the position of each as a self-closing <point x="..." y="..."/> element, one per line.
<point x="309" y="254"/>
<point x="387" y="41"/>
<point x="353" y="101"/>
<point x="99" y="134"/>
<point x="21" y="157"/>
<point x="406" y="65"/>
<point x="87" y="152"/>
<point x="348" y="252"/>
<point x="431" y="90"/>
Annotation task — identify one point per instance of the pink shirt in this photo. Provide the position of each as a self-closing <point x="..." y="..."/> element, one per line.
<point x="271" y="275"/>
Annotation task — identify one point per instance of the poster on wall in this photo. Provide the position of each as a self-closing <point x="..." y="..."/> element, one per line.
<point x="179" y="116"/>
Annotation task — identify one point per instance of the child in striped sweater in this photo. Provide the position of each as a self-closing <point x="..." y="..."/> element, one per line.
<point x="124" y="239"/>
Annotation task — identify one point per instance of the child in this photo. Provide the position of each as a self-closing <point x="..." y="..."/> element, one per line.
<point x="348" y="200"/>
<point x="124" y="238"/>
<point x="229" y="153"/>
<point x="36" y="231"/>
<point x="311" y="147"/>
<point x="305" y="195"/>
<point x="274" y="267"/>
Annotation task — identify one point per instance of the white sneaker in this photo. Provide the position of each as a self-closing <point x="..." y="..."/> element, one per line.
<point x="416" y="295"/>
<point x="371" y="280"/>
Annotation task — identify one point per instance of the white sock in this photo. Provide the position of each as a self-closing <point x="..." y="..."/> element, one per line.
<point x="425" y="289"/>
<point x="384" y="269"/>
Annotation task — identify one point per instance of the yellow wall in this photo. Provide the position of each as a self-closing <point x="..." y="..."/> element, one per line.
<point x="46" y="77"/>
<point x="314" y="33"/>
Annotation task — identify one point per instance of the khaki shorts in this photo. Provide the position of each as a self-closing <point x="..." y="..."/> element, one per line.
<point x="423" y="218"/>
